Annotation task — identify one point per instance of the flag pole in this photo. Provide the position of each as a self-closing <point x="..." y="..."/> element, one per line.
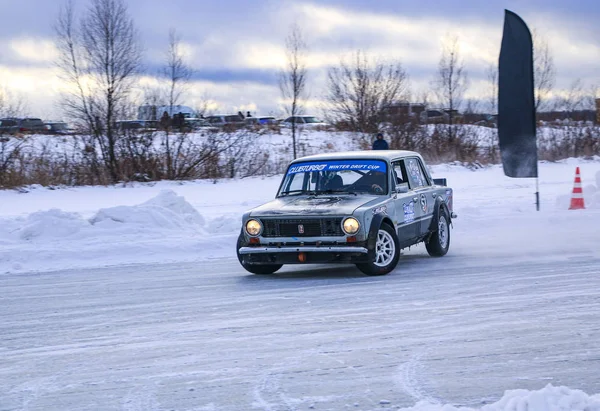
<point x="537" y="193"/>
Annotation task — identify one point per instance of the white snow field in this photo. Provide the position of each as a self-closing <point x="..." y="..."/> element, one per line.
<point x="131" y="298"/>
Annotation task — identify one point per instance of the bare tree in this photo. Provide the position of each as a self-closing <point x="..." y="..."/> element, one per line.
<point x="596" y="102"/>
<point x="492" y="77"/>
<point x="544" y="73"/>
<point x="592" y="96"/>
<point x="11" y="105"/>
<point x="452" y="79"/>
<point x="178" y="74"/>
<point x="292" y="79"/>
<point x="201" y="107"/>
<point x="573" y="99"/>
<point x="11" y="148"/>
<point x="358" y="91"/>
<point x="176" y="70"/>
<point x="99" y="59"/>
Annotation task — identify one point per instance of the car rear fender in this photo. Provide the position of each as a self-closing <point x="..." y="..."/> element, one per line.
<point x="439" y="207"/>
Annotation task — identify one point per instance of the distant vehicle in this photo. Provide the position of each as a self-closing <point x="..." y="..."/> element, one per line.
<point x="401" y="112"/>
<point x="260" y="121"/>
<point x="440" y="116"/>
<point x="434" y="116"/>
<point x="31" y="125"/>
<point x="489" y="120"/>
<point x="196" y="123"/>
<point x="9" y="125"/>
<point x="58" y="127"/>
<point x="154" y="112"/>
<point x="142" y="125"/>
<point x="304" y="122"/>
<point x="226" y="120"/>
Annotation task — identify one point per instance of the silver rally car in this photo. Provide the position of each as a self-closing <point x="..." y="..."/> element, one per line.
<point x="358" y="207"/>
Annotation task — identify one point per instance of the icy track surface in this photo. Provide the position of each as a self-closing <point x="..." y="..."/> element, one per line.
<point x="509" y="320"/>
<point x="456" y="331"/>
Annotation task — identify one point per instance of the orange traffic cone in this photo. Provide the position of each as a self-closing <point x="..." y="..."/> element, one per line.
<point x="577" y="197"/>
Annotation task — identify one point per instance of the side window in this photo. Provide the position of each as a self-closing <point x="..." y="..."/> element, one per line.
<point x="416" y="176"/>
<point x="399" y="173"/>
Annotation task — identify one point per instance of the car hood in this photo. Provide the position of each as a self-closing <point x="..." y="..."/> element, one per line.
<point x="313" y="205"/>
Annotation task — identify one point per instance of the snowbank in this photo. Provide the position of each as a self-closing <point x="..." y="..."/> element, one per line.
<point x="163" y="228"/>
<point x="549" y="398"/>
<point x="166" y="211"/>
<point x="49" y="225"/>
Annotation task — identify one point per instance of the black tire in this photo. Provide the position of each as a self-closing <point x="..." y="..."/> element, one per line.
<point x="384" y="235"/>
<point x="439" y="241"/>
<point x="255" y="268"/>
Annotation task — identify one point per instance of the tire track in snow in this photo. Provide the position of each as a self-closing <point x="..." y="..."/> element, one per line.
<point x="407" y="378"/>
<point x="141" y="399"/>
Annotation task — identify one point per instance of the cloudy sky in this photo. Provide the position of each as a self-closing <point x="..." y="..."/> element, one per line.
<point x="237" y="46"/>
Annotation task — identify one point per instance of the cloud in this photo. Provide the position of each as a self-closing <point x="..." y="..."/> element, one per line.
<point x="37" y="86"/>
<point x="237" y="48"/>
<point x="33" y="50"/>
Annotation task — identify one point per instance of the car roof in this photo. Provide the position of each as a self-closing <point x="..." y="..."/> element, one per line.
<point x="388" y="155"/>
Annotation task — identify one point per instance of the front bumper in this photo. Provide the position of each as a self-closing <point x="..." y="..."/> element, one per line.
<point x="304" y="254"/>
<point x="303" y="249"/>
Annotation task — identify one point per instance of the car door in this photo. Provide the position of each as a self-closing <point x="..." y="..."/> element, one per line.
<point x="422" y="194"/>
<point x="407" y="212"/>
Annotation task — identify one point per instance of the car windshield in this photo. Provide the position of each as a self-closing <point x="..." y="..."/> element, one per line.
<point x="335" y="176"/>
<point x="311" y="120"/>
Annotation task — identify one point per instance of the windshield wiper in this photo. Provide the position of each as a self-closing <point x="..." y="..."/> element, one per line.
<point x="336" y="192"/>
<point x="307" y="192"/>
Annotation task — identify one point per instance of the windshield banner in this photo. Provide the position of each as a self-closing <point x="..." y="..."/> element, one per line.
<point x="342" y="165"/>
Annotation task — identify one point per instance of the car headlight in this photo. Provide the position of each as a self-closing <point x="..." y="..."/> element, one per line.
<point x="350" y="225"/>
<point x="253" y="228"/>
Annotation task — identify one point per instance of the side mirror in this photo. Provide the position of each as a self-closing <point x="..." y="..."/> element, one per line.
<point x="440" y="182"/>
<point x="402" y="188"/>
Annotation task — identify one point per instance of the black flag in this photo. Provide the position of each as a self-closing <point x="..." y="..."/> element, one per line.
<point x="516" y="104"/>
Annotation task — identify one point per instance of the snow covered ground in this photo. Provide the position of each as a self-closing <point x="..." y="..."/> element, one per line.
<point x="82" y="227"/>
<point x="131" y="298"/>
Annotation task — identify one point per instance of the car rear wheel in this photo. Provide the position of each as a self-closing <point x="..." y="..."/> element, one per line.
<point x="387" y="253"/>
<point x="439" y="241"/>
<point x="255" y="268"/>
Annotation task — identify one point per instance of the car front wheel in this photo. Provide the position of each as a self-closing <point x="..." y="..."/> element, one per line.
<point x="387" y="253"/>
<point x="255" y="268"/>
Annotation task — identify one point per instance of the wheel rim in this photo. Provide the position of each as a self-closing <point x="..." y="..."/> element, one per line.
<point x="443" y="232"/>
<point x="385" y="249"/>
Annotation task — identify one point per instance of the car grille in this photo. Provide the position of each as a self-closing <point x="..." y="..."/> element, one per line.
<point x="324" y="227"/>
